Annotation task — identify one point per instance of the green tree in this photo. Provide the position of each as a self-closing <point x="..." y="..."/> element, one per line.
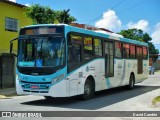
<point x="40" y="14"/>
<point x="65" y="17"/>
<point x="45" y="15"/>
<point x="136" y="34"/>
<point x="139" y="35"/>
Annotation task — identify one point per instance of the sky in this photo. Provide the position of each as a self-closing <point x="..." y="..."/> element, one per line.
<point x="115" y="15"/>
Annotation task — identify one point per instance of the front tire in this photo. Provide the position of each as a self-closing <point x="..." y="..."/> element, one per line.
<point x="88" y="90"/>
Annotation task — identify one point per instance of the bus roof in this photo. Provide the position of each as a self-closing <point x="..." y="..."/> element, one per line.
<point x="91" y="32"/>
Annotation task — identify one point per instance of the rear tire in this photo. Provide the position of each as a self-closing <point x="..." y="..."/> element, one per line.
<point x="88" y="90"/>
<point x="131" y="82"/>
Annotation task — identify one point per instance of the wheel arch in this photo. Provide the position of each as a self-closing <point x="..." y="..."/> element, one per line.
<point x="91" y="78"/>
<point x="132" y="73"/>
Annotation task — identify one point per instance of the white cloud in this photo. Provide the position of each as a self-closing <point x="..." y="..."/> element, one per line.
<point x="13" y="0"/>
<point x="156" y="34"/>
<point x="109" y="21"/>
<point x="27" y="4"/>
<point x="141" y="24"/>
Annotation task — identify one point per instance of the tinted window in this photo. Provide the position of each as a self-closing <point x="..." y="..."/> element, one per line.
<point x="74" y="51"/>
<point x="74" y="48"/>
<point x="132" y="51"/>
<point x="139" y="52"/>
<point x="118" y="49"/>
<point x="126" y="50"/>
<point x="145" y="52"/>
<point x="98" y="47"/>
<point x="88" y="47"/>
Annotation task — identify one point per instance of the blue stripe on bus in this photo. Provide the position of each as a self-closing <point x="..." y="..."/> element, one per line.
<point x="133" y="41"/>
<point x="145" y="65"/>
<point x="108" y="82"/>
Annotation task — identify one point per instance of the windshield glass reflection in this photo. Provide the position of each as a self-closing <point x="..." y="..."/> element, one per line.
<point x="41" y="52"/>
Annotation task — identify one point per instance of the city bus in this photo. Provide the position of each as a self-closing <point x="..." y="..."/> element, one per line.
<point x="58" y="60"/>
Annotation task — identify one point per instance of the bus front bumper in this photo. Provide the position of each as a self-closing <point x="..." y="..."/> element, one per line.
<point x="56" y="90"/>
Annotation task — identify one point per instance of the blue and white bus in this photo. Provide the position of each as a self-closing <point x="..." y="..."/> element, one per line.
<point x="63" y="61"/>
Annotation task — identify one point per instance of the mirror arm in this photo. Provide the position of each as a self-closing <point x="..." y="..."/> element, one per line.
<point x="13" y="40"/>
<point x="11" y="46"/>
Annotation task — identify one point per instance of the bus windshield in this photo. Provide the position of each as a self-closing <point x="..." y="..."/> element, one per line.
<point x="41" y="52"/>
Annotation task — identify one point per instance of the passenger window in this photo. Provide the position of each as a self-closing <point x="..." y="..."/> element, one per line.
<point x="118" y="49"/>
<point x="132" y="51"/>
<point x="88" y="47"/>
<point x="139" y="52"/>
<point x="145" y="52"/>
<point x="126" y="50"/>
<point x="74" y="51"/>
<point x="98" y="47"/>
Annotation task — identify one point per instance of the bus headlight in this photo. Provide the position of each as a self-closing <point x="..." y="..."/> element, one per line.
<point x="18" y="78"/>
<point x="55" y="80"/>
<point x="58" y="78"/>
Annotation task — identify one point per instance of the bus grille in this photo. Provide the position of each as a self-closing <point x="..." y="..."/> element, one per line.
<point x="35" y="91"/>
<point x="35" y="87"/>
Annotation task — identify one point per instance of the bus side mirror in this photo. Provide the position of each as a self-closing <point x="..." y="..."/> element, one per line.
<point x="11" y="47"/>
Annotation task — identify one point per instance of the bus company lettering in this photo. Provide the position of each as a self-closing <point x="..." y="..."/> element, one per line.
<point x="91" y="68"/>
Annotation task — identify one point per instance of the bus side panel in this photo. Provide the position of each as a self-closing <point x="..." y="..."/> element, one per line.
<point x="144" y="75"/>
<point x="145" y="69"/>
<point x="118" y="73"/>
<point x="99" y="75"/>
<point x="78" y="77"/>
<point x="73" y="84"/>
<point x="59" y="89"/>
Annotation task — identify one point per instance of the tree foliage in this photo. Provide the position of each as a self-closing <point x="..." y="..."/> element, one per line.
<point x="45" y="15"/>
<point x="65" y="17"/>
<point x="40" y="14"/>
<point x="136" y="34"/>
<point x="139" y="35"/>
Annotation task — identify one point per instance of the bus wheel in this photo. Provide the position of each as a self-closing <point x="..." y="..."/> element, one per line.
<point x="131" y="82"/>
<point x="88" y="90"/>
<point x="49" y="98"/>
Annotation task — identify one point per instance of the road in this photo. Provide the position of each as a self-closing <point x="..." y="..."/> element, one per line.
<point x="118" y="99"/>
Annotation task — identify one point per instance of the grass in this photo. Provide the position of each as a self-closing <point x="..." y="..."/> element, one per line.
<point x="156" y="100"/>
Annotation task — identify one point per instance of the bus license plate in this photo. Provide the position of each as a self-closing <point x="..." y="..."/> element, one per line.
<point x="34" y="86"/>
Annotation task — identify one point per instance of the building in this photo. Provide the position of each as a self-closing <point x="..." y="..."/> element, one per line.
<point x="12" y="18"/>
<point x="154" y="63"/>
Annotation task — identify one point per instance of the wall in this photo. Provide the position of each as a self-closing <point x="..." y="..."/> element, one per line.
<point x="8" y="10"/>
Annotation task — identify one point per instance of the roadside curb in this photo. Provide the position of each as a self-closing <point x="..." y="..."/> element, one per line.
<point x="6" y="93"/>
